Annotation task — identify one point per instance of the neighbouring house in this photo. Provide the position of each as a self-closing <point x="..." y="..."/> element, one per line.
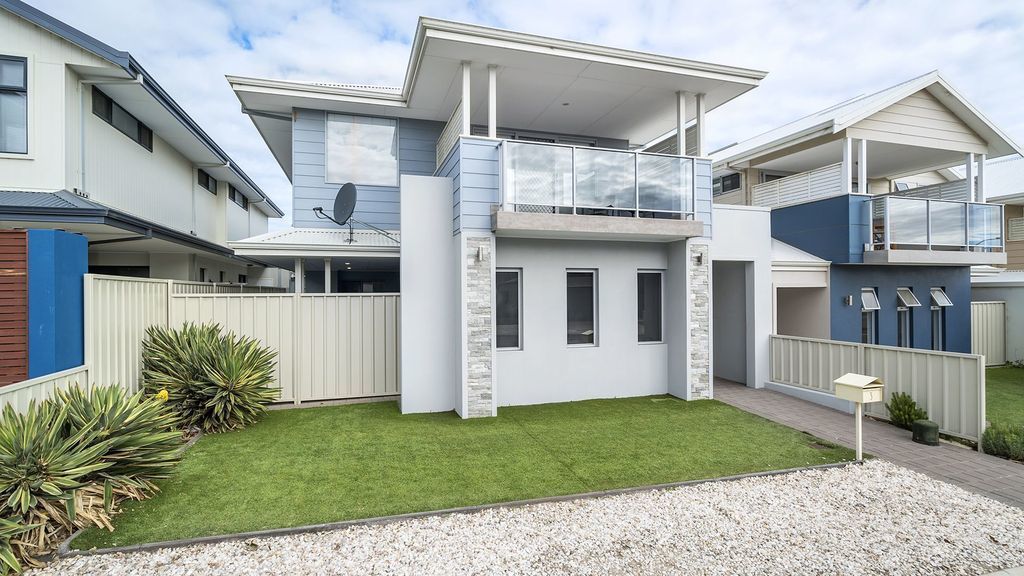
<point x="890" y="189"/>
<point x="90" y="143"/>
<point x="539" y="254"/>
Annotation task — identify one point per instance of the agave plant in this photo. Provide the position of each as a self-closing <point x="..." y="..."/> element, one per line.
<point x="215" y="382"/>
<point x="10" y="528"/>
<point x="144" y="444"/>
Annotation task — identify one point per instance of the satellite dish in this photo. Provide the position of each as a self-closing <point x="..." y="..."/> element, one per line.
<point x="345" y="203"/>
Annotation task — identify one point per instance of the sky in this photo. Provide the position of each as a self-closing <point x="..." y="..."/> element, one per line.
<point x="817" y="53"/>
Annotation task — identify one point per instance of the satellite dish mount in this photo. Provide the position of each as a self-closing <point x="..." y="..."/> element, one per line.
<point x="344" y="205"/>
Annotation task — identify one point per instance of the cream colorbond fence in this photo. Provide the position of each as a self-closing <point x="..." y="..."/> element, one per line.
<point x="19" y="395"/>
<point x="988" y="331"/>
<point x="950" y="386"/>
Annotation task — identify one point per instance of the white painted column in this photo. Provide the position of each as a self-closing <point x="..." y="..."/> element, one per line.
<point x="846" y="172"/>
<point x="327" y="275"/>
<point x="681" y="122"/>
<point x="300" y="275"/>
<point x="979" y="185"/>
<point x="969" y="176"/>
<point x="492" y="101"/>
<point x="700" y="124"/>
<point x="467" y="104"/>
<point x="862" y="167"/>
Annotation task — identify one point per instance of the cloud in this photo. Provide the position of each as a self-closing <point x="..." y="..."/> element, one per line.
<point x="816" y="53"/>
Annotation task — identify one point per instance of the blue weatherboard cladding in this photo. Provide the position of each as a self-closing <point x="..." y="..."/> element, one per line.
<point x="57" y="263"/>
<point x="473" y="164"/>
<point x="378" y="205"/>
<point x="834" y="229"/>
<point x="955" y="280"/>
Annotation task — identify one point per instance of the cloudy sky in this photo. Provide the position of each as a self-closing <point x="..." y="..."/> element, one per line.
<point x="816" y="53"/>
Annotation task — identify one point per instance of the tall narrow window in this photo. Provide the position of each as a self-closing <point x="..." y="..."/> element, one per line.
<point x="581" y="307"/>
<point x="905" y="304"/>
<point x="648" y="306"/>
<point x="508" y="308"/>
<point x="869" y="316"/>
<point x="13" y="105"/>
<point x="362" y="149"/>
<point x="939" y="302"/>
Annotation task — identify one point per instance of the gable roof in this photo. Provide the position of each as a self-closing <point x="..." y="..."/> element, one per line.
<point x="839" y="117"/>
<point x="133" y="70"/>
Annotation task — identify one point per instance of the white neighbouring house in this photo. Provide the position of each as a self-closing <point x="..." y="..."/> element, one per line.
<point x="90" y="143"/>
<point x="539" y="254"/>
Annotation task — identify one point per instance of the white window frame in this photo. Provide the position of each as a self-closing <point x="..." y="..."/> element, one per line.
<point x="939" y="297"/>
<point x="906" y="297"/>
<point x="596" y="306"/>
<point x="661" y="305"/>
<point x="869" y="308"/>
<point x="398" y="148"/>
<point x="938" y="328"/>
<point x="904" y="327"/>
<point x="519" y="288"/>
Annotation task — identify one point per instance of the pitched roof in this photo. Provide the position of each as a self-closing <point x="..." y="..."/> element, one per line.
<point x="841" y="116"/>
<point x="61" y="199"/>
<point x="126" y="62"/>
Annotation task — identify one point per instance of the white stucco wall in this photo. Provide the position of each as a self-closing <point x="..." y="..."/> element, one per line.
<point x="549" y="370"/>
<point x="430" y="339"/>
<point x="743" y="234"/>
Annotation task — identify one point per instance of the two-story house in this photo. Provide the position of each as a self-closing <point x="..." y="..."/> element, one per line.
<point x="889" y="188"/>
<point x="540" y="256"/>
<point x="90" y="143"/>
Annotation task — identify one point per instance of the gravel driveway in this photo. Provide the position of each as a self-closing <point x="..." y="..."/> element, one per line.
<point x="872" y="519"/>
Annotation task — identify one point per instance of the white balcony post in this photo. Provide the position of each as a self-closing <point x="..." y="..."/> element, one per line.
<point x="327" y="275"/>
<point x="885" y="222"/>
<point x="700" y="124"/>
<point x="467" y="105"/>
<point x="492" y="101"/>
<point x="979" y="186"/>
<point x="928" y="221"/>
<point x="969" y="176"/>
<point x="846" y="173"/>
<point x="300" y="273"/>
<point x="862" y="167"/>
<point x="681" y="123"/>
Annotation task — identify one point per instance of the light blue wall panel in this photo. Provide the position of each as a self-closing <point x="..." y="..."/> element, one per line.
<point x="702" y="193"/>
<point x="478" y="188"/>
<point x="377" y="205"/>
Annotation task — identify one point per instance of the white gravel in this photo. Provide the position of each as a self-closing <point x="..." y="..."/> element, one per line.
<point x="872" y="519"/>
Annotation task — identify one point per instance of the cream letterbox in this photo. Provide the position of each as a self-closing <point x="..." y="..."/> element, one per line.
<point x="859" y="388"/>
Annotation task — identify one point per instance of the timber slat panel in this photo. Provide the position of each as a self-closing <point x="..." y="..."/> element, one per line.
<point x="13" y="306"/>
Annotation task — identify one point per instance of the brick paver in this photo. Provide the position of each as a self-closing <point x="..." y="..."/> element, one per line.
<point x="996" y="478"/>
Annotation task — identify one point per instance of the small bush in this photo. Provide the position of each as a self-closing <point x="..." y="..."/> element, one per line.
<point x="215" y="382"/>
<point x="1006" y="440"/>
<point x="903" y="410"/>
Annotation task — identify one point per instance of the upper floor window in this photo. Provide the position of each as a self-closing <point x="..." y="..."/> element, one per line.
<point x="726" y="184"/>
<point x="362" y="150"/>
<point x="112" y="113"/>
<point x="13" y="105"/>
<point x="207" y="181"/>
<point x="237" y="197"/>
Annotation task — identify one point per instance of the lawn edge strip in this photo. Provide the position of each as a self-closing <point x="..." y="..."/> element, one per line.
<point x="65" y="551"/>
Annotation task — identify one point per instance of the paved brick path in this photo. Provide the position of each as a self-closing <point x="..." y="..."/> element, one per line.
<point x="996" y="478"/>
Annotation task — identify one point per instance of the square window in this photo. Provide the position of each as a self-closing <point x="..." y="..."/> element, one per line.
<point x="362" y="150"/>
<point x="906" y="298"/>
<point x="869" y="299"/>
<point x="581" y="307"/>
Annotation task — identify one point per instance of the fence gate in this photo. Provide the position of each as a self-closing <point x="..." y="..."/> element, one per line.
<point x="988" y="331"/>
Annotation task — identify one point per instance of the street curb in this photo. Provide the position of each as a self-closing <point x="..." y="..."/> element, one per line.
<point x="65" y="551"/>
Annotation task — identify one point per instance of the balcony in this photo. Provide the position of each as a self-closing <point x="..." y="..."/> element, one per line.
<point x="558" y="191"/>
<point x="906" y="230"/>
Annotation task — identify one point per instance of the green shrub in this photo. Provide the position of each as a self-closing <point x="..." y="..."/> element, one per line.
<point x="216" y="382"/>
<point x="145" y="443"/>
<point x="903" y="410"/>
<point x="1006" y="440"/>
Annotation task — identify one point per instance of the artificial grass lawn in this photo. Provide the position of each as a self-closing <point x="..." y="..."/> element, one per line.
<point x="316" y="465"/>
<point x="1004" y="395"/>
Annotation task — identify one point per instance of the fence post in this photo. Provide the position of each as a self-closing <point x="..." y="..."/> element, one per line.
<point x="981" y="404"/>
<point x="87" y="316"/>
<point x="296" y="341"/>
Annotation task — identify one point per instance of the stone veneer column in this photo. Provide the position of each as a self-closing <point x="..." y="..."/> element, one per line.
<point x="478" y="336"/>
<point x="699" y="330"/>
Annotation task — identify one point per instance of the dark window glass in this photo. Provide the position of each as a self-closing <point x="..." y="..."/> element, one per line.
<point x="938" y="328"/>
<point x="243" y="279"/>
<point x="207" y="181"/>
<point x="508" y="315"/>
<point x="904" y="325"/>
<point x="237" y="197"/>
<point x="581" y="303"/>
<point x="648" y="306"/>
<point x="112" y="113"/>
<point x="869" y="327"/>
<point x="13" y="105"/>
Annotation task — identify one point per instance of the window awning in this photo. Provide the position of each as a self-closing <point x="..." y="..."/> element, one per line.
<point x="939" y="298"/>
<point x="906" y="297"/>
<point x="869" y="299"/>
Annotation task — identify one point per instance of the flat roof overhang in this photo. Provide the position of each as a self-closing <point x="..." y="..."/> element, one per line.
<point x="933" y="257"/>
<point x="580" y="227"/>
